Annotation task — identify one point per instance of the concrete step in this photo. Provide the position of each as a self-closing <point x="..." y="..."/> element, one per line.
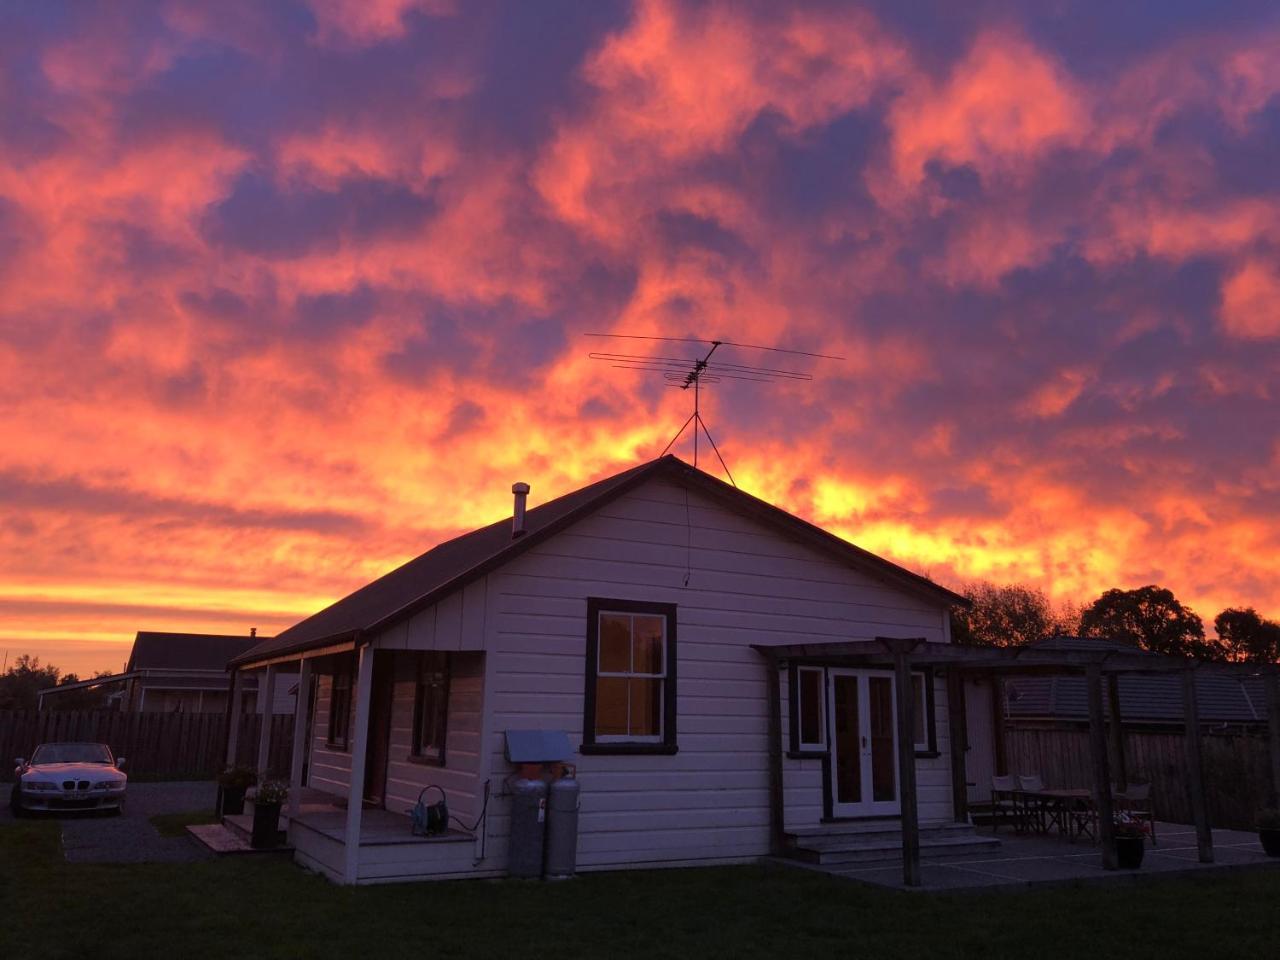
<point x="223" y="839"/>
<point x="241" y="825"/>
<point x="871" y="842"/>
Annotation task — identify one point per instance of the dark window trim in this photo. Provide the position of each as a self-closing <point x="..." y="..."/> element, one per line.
<point x="589" y="746"/>
<point x="415" y="749"/>
<point x="344" y="667"/>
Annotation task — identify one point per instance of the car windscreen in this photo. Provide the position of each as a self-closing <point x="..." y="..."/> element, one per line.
<point x="71" y="753"/>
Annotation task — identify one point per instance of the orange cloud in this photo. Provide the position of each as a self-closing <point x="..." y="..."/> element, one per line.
<point x="1251" y="301"/>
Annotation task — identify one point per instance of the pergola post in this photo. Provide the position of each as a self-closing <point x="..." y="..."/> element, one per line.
<point x="1117" y="733"/>
<point x="1101" y="770"/>
<point x="1272" y="682"/>
<point x="907" y="762"/>
<point x="266" y="704"/>
<point x="302" y="712"/>
<point x="777" y="811"/>
<point x="958" y="730"/>
<point x="359" y="742"/>
<point x="1195" y="768"/>
<point x="235" y="703"/>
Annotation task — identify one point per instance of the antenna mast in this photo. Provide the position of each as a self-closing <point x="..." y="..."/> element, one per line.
<point x="685" y="373"/>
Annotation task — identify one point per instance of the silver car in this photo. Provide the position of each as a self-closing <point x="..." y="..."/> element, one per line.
<point x="69" y="776"/>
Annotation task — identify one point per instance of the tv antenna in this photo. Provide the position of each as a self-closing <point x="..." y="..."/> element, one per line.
<point x="686" y="372"/>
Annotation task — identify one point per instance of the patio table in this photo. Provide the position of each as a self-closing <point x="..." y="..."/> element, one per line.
<point x="1070" y="809"/>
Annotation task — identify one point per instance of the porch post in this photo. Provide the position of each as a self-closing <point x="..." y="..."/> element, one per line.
<point x="958" y="732"/>
<point x="1272" y="681"/>
<point x="1101" y="771"/>
<point x="1117" y="732"/>
<point x="777" y="812"/>
<point x="266" y="702"/>
<point x="301" y="713"/>
<point x="1195" y="768"/>
<point x="359" y="741"/>
<point x="234" y="704"/>
<point x="907" y="761"/>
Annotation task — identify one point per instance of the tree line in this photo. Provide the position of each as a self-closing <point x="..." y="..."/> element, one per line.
<point x="21" y="682"/>
<point x="1150" y="618"/>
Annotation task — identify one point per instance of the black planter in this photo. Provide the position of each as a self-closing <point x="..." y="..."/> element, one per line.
<point x="232" y="801"/>
<point x="1129" y="851"/>
<point x="266" y="826"/>
<point x="1270" y="841"/>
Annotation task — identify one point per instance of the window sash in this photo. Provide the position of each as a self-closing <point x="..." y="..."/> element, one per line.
<point x="431" y="706"/>
<point x="660" y="677"/>
<point x="818" y="705"/>
<point x="339" y="734"/>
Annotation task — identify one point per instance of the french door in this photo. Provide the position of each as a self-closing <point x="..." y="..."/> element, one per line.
<point x="864" y="744"/>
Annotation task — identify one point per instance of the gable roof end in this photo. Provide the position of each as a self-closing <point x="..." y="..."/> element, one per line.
<point x="451" y="565"/>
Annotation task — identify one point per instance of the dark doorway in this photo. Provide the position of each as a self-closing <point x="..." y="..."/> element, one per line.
<point x="377" y="747"/>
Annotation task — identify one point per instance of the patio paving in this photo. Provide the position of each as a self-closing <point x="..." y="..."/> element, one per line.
<point x="1027" y="861"/>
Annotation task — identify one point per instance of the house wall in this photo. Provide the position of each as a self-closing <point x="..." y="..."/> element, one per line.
<point x="330" y="768"/>
<point x="746" y="584"/>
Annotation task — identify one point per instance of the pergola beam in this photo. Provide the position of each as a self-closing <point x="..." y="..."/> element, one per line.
<point x="358" y="745"/>
<point x="905" y="690"/>
<point x="1116" y="729"/>
<point x="1273" y="738"/>
<point x="1101" y="773"/>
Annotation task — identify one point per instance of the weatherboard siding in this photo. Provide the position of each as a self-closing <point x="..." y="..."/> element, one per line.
<point x="746" y="584"/>
<point x="330" y="768"/>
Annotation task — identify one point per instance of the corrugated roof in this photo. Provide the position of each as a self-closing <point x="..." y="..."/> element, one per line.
<point x="186" y="651"/>
<point x="453" y="564"/>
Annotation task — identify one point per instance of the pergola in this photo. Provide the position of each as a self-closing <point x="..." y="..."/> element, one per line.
<point x="905" y="655"/>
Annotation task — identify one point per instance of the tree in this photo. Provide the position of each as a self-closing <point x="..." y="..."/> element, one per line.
<point x="1248" y="637"/>
<point x="1152" y="619"/>
<point x="1009" y="615"/>
<point x="20" y="683"/>
<point x="86" y="698"/>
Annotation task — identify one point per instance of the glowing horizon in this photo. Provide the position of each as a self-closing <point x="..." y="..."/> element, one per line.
<point x="290" y="293"/>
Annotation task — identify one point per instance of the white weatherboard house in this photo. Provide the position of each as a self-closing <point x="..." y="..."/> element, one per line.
<point x="683" y="634"/>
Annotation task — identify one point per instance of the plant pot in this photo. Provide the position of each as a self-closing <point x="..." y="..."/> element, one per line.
<point x="1270" y="841"/>
<point x="1129" y="851"/>
<point x="266" y="826"/>
<point x="232" y="803"/>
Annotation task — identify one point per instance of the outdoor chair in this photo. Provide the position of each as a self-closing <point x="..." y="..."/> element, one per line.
<point x="1038" y="810"/>
<point x="1004" y="803"/>
<point x="1135" y="800"/>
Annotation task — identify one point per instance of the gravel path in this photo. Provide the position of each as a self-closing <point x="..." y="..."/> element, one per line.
<point x="130" y="837"/>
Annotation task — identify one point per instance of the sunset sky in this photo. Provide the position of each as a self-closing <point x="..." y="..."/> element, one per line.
<point x="291" y="291"/>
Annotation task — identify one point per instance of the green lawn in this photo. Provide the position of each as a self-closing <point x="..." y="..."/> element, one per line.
<point x="175" y="824"/>
<point x="250" y="907"/>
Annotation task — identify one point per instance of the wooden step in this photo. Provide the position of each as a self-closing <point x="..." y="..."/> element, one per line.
<point x="223" y="839"/>
<point x="872" y="842"/>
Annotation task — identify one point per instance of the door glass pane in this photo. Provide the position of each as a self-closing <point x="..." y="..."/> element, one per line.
<point x="848" y="747"/>
<point x="646" y="708"/>
<point x="648" y="644"/>
<point x="883" y="762"/>
<point x="810" y="706"/>
<point x="611" y="707"/>
<point x="615" y="643"/>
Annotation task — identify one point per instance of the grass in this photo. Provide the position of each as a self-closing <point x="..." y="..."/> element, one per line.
<point x="241" y="906"/>
<point x="175" y="824"/>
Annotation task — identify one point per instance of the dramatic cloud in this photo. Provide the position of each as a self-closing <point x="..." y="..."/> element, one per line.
<point x="290" y="292"/>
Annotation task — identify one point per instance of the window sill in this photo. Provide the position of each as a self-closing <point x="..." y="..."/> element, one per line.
<point x="806" y="754"/>
<point x="627" y="749"/>
<point x="424" y="761"/>
<point x="928" y="754"/>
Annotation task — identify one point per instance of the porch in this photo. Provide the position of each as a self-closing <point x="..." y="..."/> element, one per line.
<point x="1024" y="861"/>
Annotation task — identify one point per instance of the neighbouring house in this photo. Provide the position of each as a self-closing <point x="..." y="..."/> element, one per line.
<point x="716" y="663"/>
<point x="177" y="672"/>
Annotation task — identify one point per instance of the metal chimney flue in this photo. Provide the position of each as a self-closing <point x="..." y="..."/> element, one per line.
<point x="521" y="491"/>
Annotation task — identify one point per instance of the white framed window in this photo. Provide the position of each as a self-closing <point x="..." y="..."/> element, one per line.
<point x="810" y="716"/>
<point x="630" y="692"/>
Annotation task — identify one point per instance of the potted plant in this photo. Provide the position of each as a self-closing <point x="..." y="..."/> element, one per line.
<point x="267" y="800"/>
<point x="1269" y="830"/>
<point x="232" y="784"/>
<point x="1131" y="841"/>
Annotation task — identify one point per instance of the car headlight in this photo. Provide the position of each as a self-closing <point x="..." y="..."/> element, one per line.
<point x="110" y="785"/>
<point x="34" y="785"/>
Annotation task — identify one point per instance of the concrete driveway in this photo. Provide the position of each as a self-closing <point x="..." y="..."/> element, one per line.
<point x="129" y="838"/>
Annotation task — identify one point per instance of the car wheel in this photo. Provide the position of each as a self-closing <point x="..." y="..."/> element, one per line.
<point x="15" y="804"/>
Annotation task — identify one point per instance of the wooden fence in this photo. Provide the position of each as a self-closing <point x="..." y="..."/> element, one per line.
<point x="1237" y="775"/>
<point x="158" y="746"/>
